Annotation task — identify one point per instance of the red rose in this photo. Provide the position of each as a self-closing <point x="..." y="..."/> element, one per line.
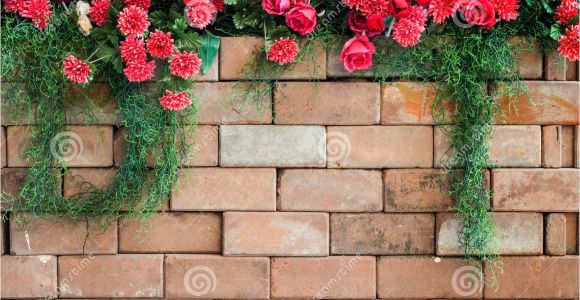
<point x="375" y="24"/>
<point x="276" y="7"/>
<point x="302" y="18"/>
<point x="357" y="53"/>
<point x="423" y="2"/>
<point x="399" y="8"/>
<point x="479" y="12"/>
<point x="372" y="24"/>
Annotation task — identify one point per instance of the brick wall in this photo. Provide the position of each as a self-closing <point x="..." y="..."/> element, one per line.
<point x="329" y="191"/>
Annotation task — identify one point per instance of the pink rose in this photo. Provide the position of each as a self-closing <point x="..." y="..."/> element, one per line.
<point x="371" y="25"/>
<point x="357" y="53"/>
<point x="479" y="12"/>
<point x="276" y="7"/>
<point x="301" y="18"/>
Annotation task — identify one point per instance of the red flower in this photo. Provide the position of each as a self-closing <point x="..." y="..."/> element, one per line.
<point x="39" y="11"/>
<point x="301" y="18"/>
<point x="173" y="101"/>
<point x="417" y="15"/>
<point x="144" y="4"/>
<point x="13" y="6"/>
<point x="219" y="5"/>
<point x="374" y="7"/>
<point x="185" y="64"/>
<point x="276" y="7"/>
<point x="399" y="8"/>
<point x="98" y="11"/>
<point x="133" y="21"/>
<point x="352" y="3"/>
<point x="479" y="12"/>
<point x="200" y="13"/>
<point x="371" y="25"/>
<point x="506" y="9"/>
<point x="440" y="10"/>
<point x="423" y="2"/>
<point x="570" y="43"/>
<point x="357" y="53"/>
<point x="137" y="71"/>
<point x="133" y="50"/>
<point x="566" y="12"/>
<point x="406" y="32"/>
<point x="283" y="51"/>
<point x="160" y="44"/>
<point x="76" y="70"/>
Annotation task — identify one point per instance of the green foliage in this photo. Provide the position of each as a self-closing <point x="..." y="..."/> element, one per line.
<point x="208" y="51"/>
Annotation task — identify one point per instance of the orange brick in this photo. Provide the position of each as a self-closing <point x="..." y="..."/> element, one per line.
<point x="556" y="234"/>
<point x="556" y="67"/>
<point x="552" y="146"/>
<point x="327" y="103"/>
<point x="29" y="276"/>
<point x="236" y="53"/>
<point x="529" y="54"/>
<point x="336" y="277"/>
<point x="275" y="234"/>
<point x="567" y="146"/>
<point x="535" y="189"/>
<point x="416" y="277"/>
<point x="536" y="277"/>
<point x="111" y="276"/>
<point x="2" y="147"/>
<point x="415" y="190"/>
<point x="216" y="277"/>
<point x="407" y="103"/>
<point x="221" y="189"/>
<point x="330" y="190"/>
<point x="173" y="233"/>
<point x="35" y="235"/>
<point x="97" y="96"/>
<point x="379" y="147"/>
<point x="382" y="234"/>
<point x="571" y="233"/>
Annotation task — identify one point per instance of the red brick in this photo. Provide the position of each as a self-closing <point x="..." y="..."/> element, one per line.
<point x="238" y="52"/>
<point x="379" y="146"/>
<point x="552" y="146"/>
<point x="330" y="190"/>
<point x="553" y="103"/>
<point x="556" y="234"/>
<point x="35" y="235"/>
<point x="111" y="276"/>
<point x="407" y="103"/>
<point x="556" y="67"/>
<point x="29" y="276"/>
<point x="535" y="189"/>
<point x="415" y="190"/>
<point x="171" y="233"/>
<point x="327" y="103"/>
<point x="93" y="146"/>
<point x="529" y="54"/>
<point x="382" y="234"/>
<point x="221" y="189"/>
<point x="275" y="234"/>
<point x="98" y="97"/>
<point x="516" y="233"/>
<point x="2" y="147"/>
<point x="418" y="277"/>
<point x="571" y="233"/>
<point x="217" y="277"/>
<point x="336" y="277"/>
<point x="536" y="277"/>
<point x="567" y="149"/>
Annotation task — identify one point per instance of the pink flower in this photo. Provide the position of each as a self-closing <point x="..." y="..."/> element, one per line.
<point x="173" y="101"/>
<point x="301" y="18"/>
<point x="566" y="11"/>
<point x="39" y="11"/>
<point x="370" y="25"/>
<point x="98" y="11"/>
<point x="160" y="44"/>
<point x="506" y="9"/>
<point x="76" y="70"/>
<point x="570" y="43"/>
<point x="133" y="50"/>
<point x="185" y="64"/>
<point x="139" y="71"/>
<point x="283" y="51"/>
<point x="200" y="13"/>
<point x="375" y="7"/>
<point x="417" y="15"/>
<point x="440" y="10"/>
<point x="479" y="12"/>
<point x="144" y="4"/>
<point x="276" y="7"/>
<point x="13" y="6"/>
<point x="357" y="53"/>
<point x="133" y="21"/>
<point x="219" y="5"/>
<point x="406" y="32"/>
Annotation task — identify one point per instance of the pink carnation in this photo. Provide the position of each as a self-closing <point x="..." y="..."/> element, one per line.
<point x="506" y="9"/>
<point x="40" y="11"/>
<point x="139" y="71"/>
<point x="98" y="11"/>
<point x="200" y="13"/>
<point x="440" y="10"/>
<point x="570" y="43"/>
<point x="133" y="50"/>
<point x="283" y="51"/>
<point x="160" y="44"/>
<point x="13" y="6"/>
<point x="173" y="101"/>
<point x="406" y="32"/>
<point x="185" y="64"/>
<point x="76" y="70"/>
<point x="133" y="21"/>
<point x="144" y="4"/>
<point x="566" y="11"/>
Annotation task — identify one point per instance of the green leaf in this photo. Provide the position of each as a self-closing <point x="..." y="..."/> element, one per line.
<point x="208" y="50"/>
<point x="548" y="8"/>
<point x="555" y="32"/>
<point x="189" y="41"/>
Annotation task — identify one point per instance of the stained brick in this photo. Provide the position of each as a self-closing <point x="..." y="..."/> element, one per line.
<point x="382" y="234"/>
<point x="335" y="277"/>
<point x="536" y="277"/>
<point x="111" y="276"/>
<point x="556" y="67"/>
<point x="221" y="189"/>
<point x="407" y="103"/>
<point x="327" y="103"/>
<point x="29" y="276"/>
<point x="171" y="233"/>
<point x="379" y="146"/>
<point x="275" y="234"/>
<point x="529" y="54"/>
<point x="556" y="234"/>
<point x="415" y="190"/>
<point x="330" y="190"/>
<point x="516" y="233"/>
<point x="535" y="189"/>
<point x="552" y="146"/>
<point x="571" y="233"/>
<point x="217" y="277"/>
<point x="567" y="146"/>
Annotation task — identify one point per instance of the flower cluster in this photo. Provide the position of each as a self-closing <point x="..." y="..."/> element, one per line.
<point x="569" y="42"/>
<point x="300" y="16"/>
<point x="39" y="11"/>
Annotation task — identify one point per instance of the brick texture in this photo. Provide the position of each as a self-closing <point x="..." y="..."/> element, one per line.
<point x="556" y="234"/>
<point x="415" y="190"/>
<point x="29" y="276"/>
<point x="407" y="103"/>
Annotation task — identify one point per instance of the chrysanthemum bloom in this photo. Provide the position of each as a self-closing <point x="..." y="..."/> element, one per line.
<point x="406" y="32"/>
<point x="566" y="11"/>
<point x="417" y="15"/>
<point x="200" y="13"/>
<point x="283" y="51"/>
<point x="133" y="50"/>
<point x="570" y="43"/>
<point x="144" y="4"/>
<point x="40" y="11"/>
<point x="76" y="70"/>
<point x="133" y="21"/>
<point x="160" y="44"/>
<point x="352" y="3"/>
<point x="139" y="71"/>
<point x="13" y="6"/>
<point x="98" y="11"/>
<point x="185" y="64"/>
<point x="377" y="7"/>
<point x="219" y="5"/>
<point x="506" y="9"/>
<point x="440" y="10"/>
<point x="173" y="101"/>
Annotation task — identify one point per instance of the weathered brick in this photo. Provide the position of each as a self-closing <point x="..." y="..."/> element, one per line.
<point x="232" y="103"/>
<point x="111" y="276"/>
<point x="327" y="103"/>
<point x="221" y="189"/>
<point x="529" y="55"/>
<point x="272" y="146"/>
<point x="217" y="277"/>
<point x="534" y="277"/>
<point x="3" y="235"/>
<point x="556" y="67"/>
<point x="379" y="146"/>
<point x="238" y="52"/>
<point x="552" y="146"/>
<point x="415" y="190"/>
<point x="577" y="146"/>
<point x="31" y="235"/>
<point x="382" y="234"/>
<point x="516" y="233"/>
<point x="275" y="234"/>
<point x="416" y="277"/>
<point x="335" y="277"/>
<point x="29" y="276"/>
<point x="535" y="189"/>
<point x="407" y="103"/>
<point x="82" y="146"/>
<point x="13" y="180"/>
<point x="567" y="149"/>
<point x="98" y="97"/>
<point x="571" y="233"/>
<point x="556" y="234"/>
<point x="330" y="190"/>
<point x="553" y="103"/>
<point x="2" y="147"/>
<point x="572" y="70"/>
<point x="171" y="233"/>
